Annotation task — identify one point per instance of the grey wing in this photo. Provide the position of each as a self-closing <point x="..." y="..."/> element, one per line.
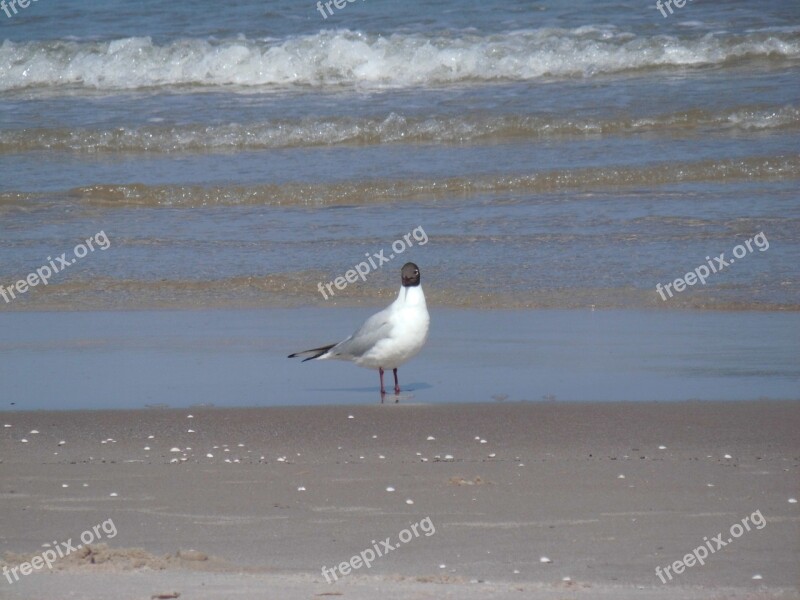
<point x="374" y="329"/>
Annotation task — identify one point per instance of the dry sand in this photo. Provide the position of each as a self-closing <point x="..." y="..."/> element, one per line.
<point x="605" y="491"/>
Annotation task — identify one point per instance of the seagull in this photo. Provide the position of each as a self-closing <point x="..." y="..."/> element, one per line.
<point x="389" y="338"/>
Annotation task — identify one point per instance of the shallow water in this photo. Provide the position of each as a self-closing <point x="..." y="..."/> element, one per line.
<point x="239" y="358"/>
<point x="238" y="155"/>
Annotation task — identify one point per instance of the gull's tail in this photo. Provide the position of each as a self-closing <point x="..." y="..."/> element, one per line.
<point x="316" y="352"/>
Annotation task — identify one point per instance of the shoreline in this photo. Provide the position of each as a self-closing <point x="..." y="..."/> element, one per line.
<point x="567" y="404"/>
<point x="86" y="299"/>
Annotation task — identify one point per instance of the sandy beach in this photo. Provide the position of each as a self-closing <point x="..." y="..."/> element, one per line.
<point x="543" y="500"/>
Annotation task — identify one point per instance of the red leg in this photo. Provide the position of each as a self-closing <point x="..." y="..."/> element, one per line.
<point x="396" y="383"/>
<point x="380" y="372"/>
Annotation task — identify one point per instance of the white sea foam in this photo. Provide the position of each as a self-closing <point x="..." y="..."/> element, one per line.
<point x="350" y="58"/>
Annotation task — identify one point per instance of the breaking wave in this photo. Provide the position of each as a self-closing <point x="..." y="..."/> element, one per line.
<point x="350" y="58"/>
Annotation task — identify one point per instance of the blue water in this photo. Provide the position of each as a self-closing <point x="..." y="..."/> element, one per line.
<point x="239" y="358"/>
<point x="578" y="153"/>
<point x="559" y="155"/>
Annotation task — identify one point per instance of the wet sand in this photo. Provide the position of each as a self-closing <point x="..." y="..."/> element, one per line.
<point x="606" y="492"/>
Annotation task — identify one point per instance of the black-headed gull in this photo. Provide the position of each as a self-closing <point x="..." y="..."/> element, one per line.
<point x="389" y="338"/>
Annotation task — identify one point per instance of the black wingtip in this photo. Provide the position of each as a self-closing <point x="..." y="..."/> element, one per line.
<point x="318" y="352"/>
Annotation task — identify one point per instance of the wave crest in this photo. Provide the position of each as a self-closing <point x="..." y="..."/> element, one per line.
<point x="348" y="58"/>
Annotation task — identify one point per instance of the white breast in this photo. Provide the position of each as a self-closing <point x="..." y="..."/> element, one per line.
<point x="410" y="321"/>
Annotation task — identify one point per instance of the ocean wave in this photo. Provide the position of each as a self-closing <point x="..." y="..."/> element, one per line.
<point x="376" y="191"/>
<point x="393" y="128"/>
<point x="292" y="289"/>
<point x="348" y="58"/>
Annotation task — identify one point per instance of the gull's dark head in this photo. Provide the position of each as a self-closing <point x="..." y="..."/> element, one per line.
<point x="410" y="275"/>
